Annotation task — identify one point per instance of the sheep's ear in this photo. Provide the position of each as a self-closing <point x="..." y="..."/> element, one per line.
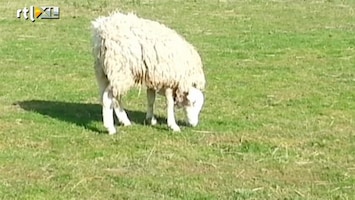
<point x="189" y="97"/>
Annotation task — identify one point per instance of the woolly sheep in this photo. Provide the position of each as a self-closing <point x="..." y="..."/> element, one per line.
<point x="132" y="51"/>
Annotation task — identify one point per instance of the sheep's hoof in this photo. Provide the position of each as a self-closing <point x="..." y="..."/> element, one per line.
<point x="153" y="121"/>
<point x="128" y="123"/>
<point x="175" y="128"/>
<point x="111" y="131"/>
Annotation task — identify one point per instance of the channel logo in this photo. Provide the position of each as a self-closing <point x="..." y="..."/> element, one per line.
<point x="36" y="12"/>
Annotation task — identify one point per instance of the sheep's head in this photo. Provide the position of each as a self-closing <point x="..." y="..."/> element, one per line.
<point x="192" y="103"/>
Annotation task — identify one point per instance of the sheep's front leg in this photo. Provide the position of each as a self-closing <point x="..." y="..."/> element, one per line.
<point x="121" y="113"/>
<point x="107" y="112"/>
<point x="149" y="118"/>
<point x="170" y="110"/>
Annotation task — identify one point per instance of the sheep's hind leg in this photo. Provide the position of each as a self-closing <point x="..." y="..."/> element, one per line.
<point x="149" y="118"/>
<point x="107" y="112"/>
<point x="121" y="113"/>
<point x="170" y="110"/>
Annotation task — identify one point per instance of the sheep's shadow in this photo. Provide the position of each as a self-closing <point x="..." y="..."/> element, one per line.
<point x="81" y="114"/>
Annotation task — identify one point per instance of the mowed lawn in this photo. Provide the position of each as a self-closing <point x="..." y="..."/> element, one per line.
<point x="278" y="122"/>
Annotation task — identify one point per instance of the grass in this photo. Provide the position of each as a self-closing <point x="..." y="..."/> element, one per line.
<point x="278" y="122"/>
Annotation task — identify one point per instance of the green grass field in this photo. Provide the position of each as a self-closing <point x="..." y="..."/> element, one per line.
<point x="278" y="122"/>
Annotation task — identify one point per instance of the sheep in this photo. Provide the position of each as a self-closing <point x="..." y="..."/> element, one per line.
<point x="132" y="51"/>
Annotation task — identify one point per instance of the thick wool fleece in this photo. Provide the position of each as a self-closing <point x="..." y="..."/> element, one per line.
<point x="130" y="51"/>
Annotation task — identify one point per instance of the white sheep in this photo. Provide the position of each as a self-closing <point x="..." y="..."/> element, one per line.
<point x="132" y="51"/>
